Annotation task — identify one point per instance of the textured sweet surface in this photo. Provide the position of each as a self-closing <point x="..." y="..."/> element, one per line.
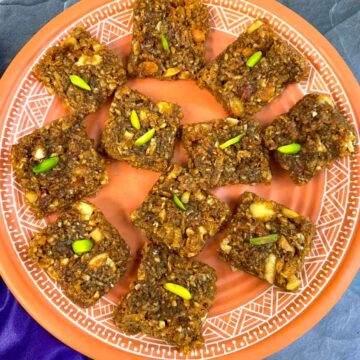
<point x="169" y="39"/>
<point x="81" y="55"/>
<point x="244" y="162"/>
<point x="183" y="230"/>
<point x="120" y="135"/>
<point x="151" y="309"/>
<point x="83" y="277"/>
<point x="79" y="172"/>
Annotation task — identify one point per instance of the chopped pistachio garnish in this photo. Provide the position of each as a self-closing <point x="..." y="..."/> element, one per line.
<point x="82" y="246"/>
<point x="79" y="82"/>
<point x="230" y="142"/>
<point x="179" y="203"/>
<point x="142" y="140"/>
<point x="134" y="119"/>
<point x="178" y="290"/>
<point x="290" y="149"/>
<point x="164" y="42"/>
<point x="254" y="59"/>
<point x="262" y="240"/>
<point x="46" y="165"/>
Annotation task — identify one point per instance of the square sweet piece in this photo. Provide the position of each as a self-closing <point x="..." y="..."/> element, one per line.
<point x="83" y="56"/>
<point x="252" y="70"/>
<point x="179" y="213"/>
<point x="83" y="252"/>
<point x="57" y="165"/>
<point x="168" y="39"/>
<point x="227" y="151"/>
<point x="140" y="131"/>
<point x="310" y="137"/>
<point x="169" y="300"/>
<point x="267" y="240"/>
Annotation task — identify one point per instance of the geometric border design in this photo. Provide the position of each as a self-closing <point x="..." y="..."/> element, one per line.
<point x="263" y="315"/>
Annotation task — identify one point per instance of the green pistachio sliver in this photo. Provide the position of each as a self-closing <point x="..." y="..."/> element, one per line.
<point x="254" y="59"/>
<point x="82" y="246"/>
<point x="179" y="203"/>
<point x="46" y="165"/>
<point x="262" y="240"/>
<point x="79" y="82"/>
<point x="290" y="149"/>
<point x="142" y="140"/>
<point x="178" y="290"/>
<point x="164" y="42"/>
<point x="134" y="119"/>
<point x="230" y="142"/>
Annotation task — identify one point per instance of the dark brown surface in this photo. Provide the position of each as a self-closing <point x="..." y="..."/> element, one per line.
<point x="183" y="231"/>
<point x="184" y="23"/>
<point x="79" y="54"/>
<point x="80" y="172"/>
<point x="320" y="129"/>
<point x="246" y="162"/>
<point x="83" y="278"/>
<point x="256" y="217"/>
<point x="119" y="135"/>
<point x="154" y="311"/>
<point x="244" y="90"/>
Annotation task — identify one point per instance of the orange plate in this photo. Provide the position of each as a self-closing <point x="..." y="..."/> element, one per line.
<point x="249" y="319"/>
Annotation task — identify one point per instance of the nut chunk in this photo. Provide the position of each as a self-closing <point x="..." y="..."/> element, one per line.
<point x="83" y="72"/>
<point x="268" y="240"/>
<point x="179" y="213"/>
<point x="227" y="151"/>
<point x="170" y="299"/>
<point x="310" y="137"/>
<point x="57" y="165"/>
<point x="253" y="70"/>
<point x="83" y="252"/>
<point x="140" y="131"/>
<point x="169" y="39"/>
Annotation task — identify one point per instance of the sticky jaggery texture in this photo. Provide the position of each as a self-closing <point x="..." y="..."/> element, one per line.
<point x="86" y="277"/>
<point x="80" y="54"/>
<point x="164" y="223"/>
<point x="246" y="162"/>
<point x="323" y="133"/>
<point x="150" y="309"/>
<point x="280" y="262"/>
<point x="119" y="135"/>
<point x="80" y="171"/>
<point x="184" y="24"/>
<point x="245" y="90"/>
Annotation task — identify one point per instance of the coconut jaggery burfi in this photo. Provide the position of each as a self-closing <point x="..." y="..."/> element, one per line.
<point x="179" y="213"/>
<point x="83" y="252"/>
<point x="57" y="165"/>
<point x="310" y="137"/>
<point x="252" y="70"/>
<point x="267" y="240"/>
<point x="168" y="39"/>
<point x="81" y="71"/>
<point x="140" y="131"/>
<point x="170" y="298"/>
<point x="227" y="151"/>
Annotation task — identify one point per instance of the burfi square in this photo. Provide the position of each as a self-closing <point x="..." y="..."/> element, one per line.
<point x="310" y="137"/>
<point x="252" y="70"/>
<point x="227" y="151"/>
<point x="168" y="39"/>
<point x="57" y="165"/>
<point x="267" y="240"/>
<point x="83" y="252"/>
<point x="140" y="131"/>
<point x="179" y="213"/>
<point x="151" y="309"/>
<point x="83" y="56"/>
